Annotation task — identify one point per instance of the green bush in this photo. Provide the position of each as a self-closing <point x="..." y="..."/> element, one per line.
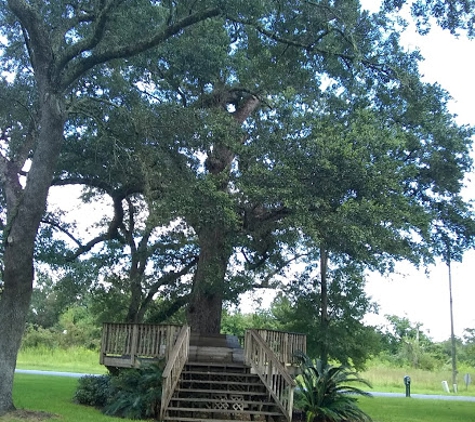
<point x="76" y="327"/>
<point x="35" y="337"/>
<point x="93" y="390"/>
<point x="136" y="393"/>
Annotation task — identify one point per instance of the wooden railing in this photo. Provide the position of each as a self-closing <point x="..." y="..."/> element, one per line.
<point x="123" y="345"/>
<point x="284" y="345"/>
<point x="171" y="373"/>
<point x="271" y="371"/>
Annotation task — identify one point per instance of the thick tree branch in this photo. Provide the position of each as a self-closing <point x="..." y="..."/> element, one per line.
<point x="265" y="283"/>
<point x="167" y="279"/>
<point x="36" y="36"/>
<point x="75" y="50"/>
<point x="132" y="49"/>
<point x="171" y="310"/>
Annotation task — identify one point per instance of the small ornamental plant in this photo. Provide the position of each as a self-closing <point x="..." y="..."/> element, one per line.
<point x="326" y="394"/>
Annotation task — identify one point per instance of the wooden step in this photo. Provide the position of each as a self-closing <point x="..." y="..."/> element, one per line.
<point x="218" y="373"/>
<point x="230" y="366"/>
<point x="211" y="400"/>
<point x="183" y="419"/>
<point x="214" y="340"/>
<point x="213" y="365"/>
<point x="218" y="382"/>
<point x="216" y="385"/>
<point x="217" y="391"/>
<point x="224" y="411"/>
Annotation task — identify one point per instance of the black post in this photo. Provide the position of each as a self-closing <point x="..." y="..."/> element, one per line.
<point x="407" y="382"/>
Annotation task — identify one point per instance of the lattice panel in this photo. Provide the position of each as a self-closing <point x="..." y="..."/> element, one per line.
<point x="238" y="387"/>
<point x="237" y="378"/>
<point x="222" y="404"/>
<point x="237" y="402"/>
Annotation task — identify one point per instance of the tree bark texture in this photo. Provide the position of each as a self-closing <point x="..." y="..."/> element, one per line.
<point x="324" y="319"/>
<point x="26" y="207"/>
<point x="206" y="304"/>
<point x="209" y="285"/>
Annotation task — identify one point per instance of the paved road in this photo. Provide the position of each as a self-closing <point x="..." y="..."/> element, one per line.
<point x="55" y="373"/>
<point x="376" y="394"/>
<point x="425" y="396"/>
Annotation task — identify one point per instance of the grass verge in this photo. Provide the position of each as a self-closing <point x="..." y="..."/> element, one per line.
<point x="38" y="396"/>
<point x="387" y="379"/>
<point x="74" y="359"/>
<point x="384" y="409"/>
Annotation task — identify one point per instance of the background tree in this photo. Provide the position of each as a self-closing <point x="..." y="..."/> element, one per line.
<point x="342" y="336"/>
<point x="50" y="46"/>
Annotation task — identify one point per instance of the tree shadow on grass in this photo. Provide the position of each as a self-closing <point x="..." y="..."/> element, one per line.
<point x="28" y="415"/>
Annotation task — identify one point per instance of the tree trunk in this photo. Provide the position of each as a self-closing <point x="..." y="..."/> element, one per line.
<point x="133" y="314"/>
<point x="14" y="305"/>
<point x="25" y="209"/>
<point x="324" y="319"/>
<point x="206" y="304"/>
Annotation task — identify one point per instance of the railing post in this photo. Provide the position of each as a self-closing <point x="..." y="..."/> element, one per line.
<point x="285" y="350"/>
<point x="133" y="349"/>
<point x="104" y="341"/>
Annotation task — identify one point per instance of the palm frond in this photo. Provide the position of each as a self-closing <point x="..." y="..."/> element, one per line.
<point x="325" y="392"/>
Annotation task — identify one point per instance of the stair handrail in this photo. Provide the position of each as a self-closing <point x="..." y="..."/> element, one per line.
<point x="272" y="373"/>
<point x="176" y="362"/>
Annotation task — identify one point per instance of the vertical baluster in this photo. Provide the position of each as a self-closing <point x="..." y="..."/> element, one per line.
<point x="133" y="349"/>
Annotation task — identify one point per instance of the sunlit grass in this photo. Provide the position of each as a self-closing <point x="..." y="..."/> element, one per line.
<point x="383" y="409"/>
<point x="53" y="395"/>
<point x="74" y="359"/>
<point x="387" y="379"/>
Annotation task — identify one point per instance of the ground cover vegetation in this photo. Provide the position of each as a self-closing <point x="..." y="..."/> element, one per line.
<point x="292" y="132"/>
<point x="52" y="397"/>
<point x="130" y="393"/>
<point x="400" y="348"/>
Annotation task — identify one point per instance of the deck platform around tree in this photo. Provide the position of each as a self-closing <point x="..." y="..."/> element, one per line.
<point x="132" y="345"/>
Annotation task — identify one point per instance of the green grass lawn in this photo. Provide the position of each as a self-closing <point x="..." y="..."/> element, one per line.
<point x="387" y="379"/>
<point x="74" y="359"/>
<point x="417" y="410"/>
<point x="382" y="378"/>
<point x="54" y="395"/>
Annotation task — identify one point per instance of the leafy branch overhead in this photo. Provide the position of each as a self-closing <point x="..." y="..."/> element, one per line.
<point x="243" y="133"/>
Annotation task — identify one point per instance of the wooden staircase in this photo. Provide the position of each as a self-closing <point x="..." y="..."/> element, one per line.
<point x="221" y="391"/>
<point x="211" y="377"/>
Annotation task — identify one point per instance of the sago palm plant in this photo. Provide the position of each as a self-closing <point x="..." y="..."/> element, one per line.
<point x="325" y="392"/>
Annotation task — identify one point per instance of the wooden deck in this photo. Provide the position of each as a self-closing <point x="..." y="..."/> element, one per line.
<point x="129" y="345"/>
<point x="267" y="354"/>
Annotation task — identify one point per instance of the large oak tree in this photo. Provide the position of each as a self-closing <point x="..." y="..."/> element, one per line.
<point x="244" y="69"/>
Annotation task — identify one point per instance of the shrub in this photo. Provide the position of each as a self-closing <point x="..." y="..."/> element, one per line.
<point x="324" y="393"/>
<point x="136" y="393"/>
<point x="39" y="337"/>
<point x="93" y="390"/>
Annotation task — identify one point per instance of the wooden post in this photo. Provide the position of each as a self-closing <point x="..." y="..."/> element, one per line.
<point x="105" y="339"/>
<point x="286" y="358"/>
<point x="133" y="349"/>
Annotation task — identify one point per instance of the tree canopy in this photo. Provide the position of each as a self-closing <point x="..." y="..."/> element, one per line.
<point x="224" y="133"/>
